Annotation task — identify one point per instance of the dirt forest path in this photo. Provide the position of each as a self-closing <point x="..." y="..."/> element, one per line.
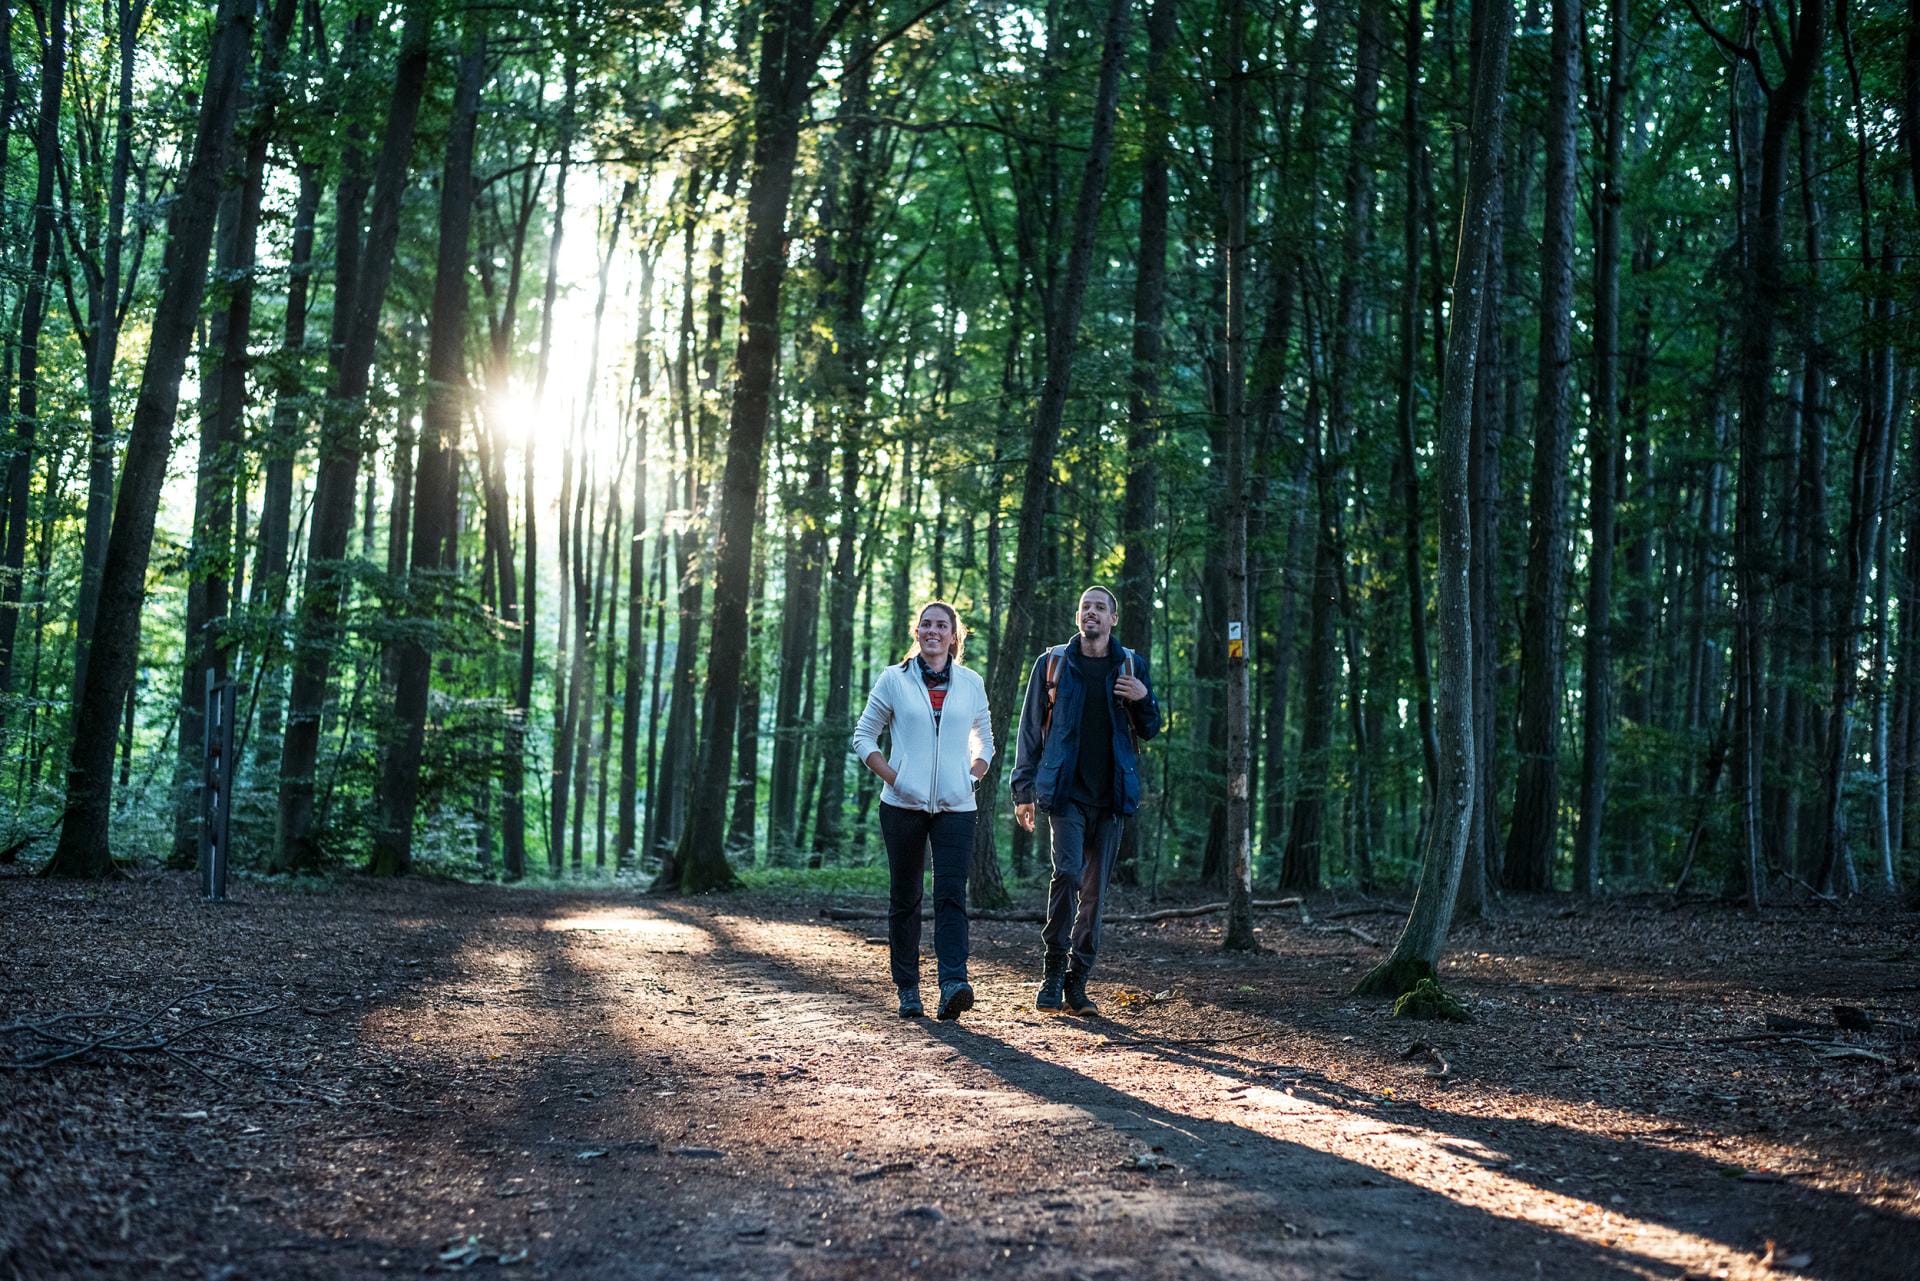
<point x="602" y="1085"/>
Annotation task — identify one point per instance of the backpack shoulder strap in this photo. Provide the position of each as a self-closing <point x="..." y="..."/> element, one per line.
<point x="1054" y="654"/>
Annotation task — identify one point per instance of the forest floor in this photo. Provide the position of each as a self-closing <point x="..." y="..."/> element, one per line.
<point x="434" y="1078"/>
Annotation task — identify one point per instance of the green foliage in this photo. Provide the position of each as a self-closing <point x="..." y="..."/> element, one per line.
<point x="977" y="133"/>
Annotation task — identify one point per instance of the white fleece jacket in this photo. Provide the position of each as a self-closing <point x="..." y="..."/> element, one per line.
<point x="934" y="771"/>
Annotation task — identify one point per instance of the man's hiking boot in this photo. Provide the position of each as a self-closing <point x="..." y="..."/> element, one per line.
<point x="1078" y="1002"/>
<point x="955" y="999"/>
<point x="1051" y="996"/>
<point x="910" y="1007"/>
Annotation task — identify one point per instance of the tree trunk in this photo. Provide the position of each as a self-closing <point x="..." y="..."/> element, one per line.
<point x="746" y="786"/>
<point x="1139" y="512"/>
<point x="846" y="378"/>
<point x="284" y="438"/>
<point x="1406" y="465"/>
<point x="341" y="449"/>
<point x="223" y="398"/>
<point x="1761" y="295"/>
<point x="437" y="477"/>
<point x="1602" y="441"/>
<point x="1010" y="655"/>
<point x="33" y="314"/>
<point x="1417" y="952"/>
<point x="667" y="808"/>
<point x="83" y="849"/>
<point x="1532" y="838"/>
<point x="634" y="676"/>
<point x="106" y="318"/>
<point x="799" y="629"/>
<point x="1301" y="863"/>
<point x="1238" y="935"/>
<point x="789" y="52"/>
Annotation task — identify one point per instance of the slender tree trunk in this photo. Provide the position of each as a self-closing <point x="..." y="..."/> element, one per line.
<point x="284" y="435"/>
<point x="1011" y="653"/>
<point x="1138" y="520"/>
<point x="83" y="849"/>
<point x="33" y="314"/>
<point x="437" y="477"/>
<point x="788" y="54"/>
<point x="1417" y="952"/>
<point x="1406" y="466"/>
<point x="1761" y="295"/>
<point x="1532" y="838"/>
<point x="105" y="347"/>
<point x="1602" y="441"/>
<point x="341" y="451"/>
<point x="223" y="397"/>
<point x="1238" y="935"/>
<point x="746" y="786"/>
<point x="666" y="813"/>
<point x="847" y="377"/>
<point x="634" y="677"/>
<point x="1301" y="863"/>
<point x="1488" y="431"/>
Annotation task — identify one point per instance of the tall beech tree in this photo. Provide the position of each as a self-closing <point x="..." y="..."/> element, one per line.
<point x="33" y="314"/>
<point x="1533" y="833"/>
<point x="1417" y="951"/>
<point x="1010" y="652"/>
<point x="84" y="850"/>
<point x="790" y="47"/>
<point x="1602" y="450"/>
<point x="223" y="398"/>
<point x="343" y="444"/>
<point x="435" y="474"/>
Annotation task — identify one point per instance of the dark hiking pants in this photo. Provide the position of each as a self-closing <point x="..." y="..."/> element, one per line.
<point x="910" y="835"/>
<point x="1085" y="840"/>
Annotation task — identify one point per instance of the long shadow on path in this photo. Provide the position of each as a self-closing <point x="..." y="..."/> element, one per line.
<point x="1245" y="1190"/>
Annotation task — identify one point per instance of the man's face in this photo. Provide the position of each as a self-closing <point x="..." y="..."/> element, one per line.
<point x="1096" y="614"/>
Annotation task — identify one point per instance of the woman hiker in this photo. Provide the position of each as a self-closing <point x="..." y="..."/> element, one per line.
<point x="942" y="744"/>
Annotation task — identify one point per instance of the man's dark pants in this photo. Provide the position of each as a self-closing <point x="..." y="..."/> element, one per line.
<point x="909" y="835"/>
<point x="1085" y="841"/>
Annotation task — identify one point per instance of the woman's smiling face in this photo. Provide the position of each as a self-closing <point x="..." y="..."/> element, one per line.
<point x="935" y="633"/>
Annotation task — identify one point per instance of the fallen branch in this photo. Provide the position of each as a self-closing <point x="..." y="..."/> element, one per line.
<point x="1750" y="1038"/>
<point x="1353" y="930"/>
<point x="1437" y="1065"/>
<point x="832" y="913"/>
<point x="1384" y="909"/>
<point x="128" y="1034"/>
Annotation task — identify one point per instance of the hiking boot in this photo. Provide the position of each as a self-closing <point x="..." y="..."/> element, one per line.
<point x="1050" y="996"/>
<point x="1078" y="1002"/>
<point x="955" y="999"/>
<point x="910" y="1007"/>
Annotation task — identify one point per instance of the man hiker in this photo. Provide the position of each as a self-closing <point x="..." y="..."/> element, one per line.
<point x="1088" y="707"/>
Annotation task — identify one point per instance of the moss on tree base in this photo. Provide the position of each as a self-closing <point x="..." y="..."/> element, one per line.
<point x="709" y="880"/>
<point x="1394" y="978"/>
<point x="1428" y="1001"/>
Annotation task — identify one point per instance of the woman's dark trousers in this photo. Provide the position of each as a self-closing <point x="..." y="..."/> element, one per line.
<point x="910" y="835"/>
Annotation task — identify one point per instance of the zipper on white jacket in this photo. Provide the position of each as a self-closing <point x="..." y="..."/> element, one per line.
<point x="933" y="784"/>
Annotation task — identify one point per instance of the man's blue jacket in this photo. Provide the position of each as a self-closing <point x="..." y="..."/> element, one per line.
<point x="1048" y="752"/>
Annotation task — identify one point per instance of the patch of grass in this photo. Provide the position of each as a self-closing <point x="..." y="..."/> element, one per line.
<point x="871" y="879"/>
